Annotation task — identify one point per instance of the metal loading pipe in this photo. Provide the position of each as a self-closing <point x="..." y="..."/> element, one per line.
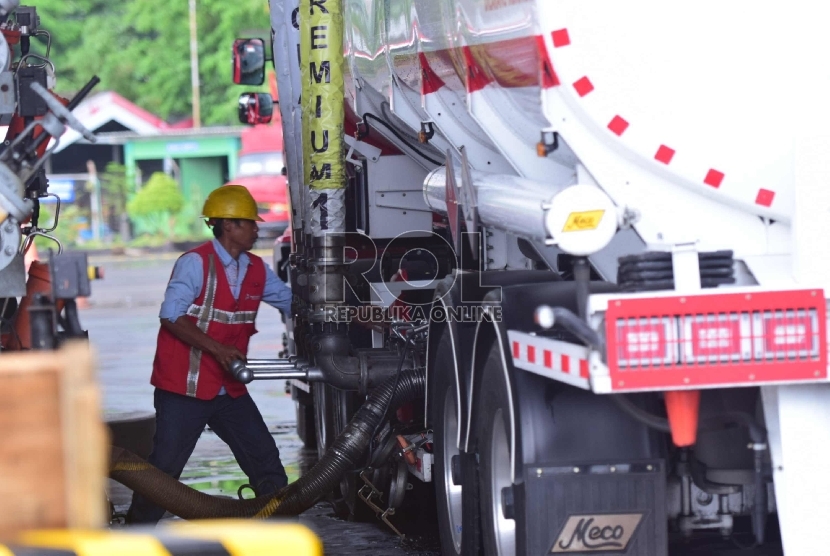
<point x="361" y="373"/>
<point x="265" y="369"/>
<point x="345" y="454"/>
<point x="274" y="364"/>
<point x="264" y="374"/>
<point x="508" y="203"/>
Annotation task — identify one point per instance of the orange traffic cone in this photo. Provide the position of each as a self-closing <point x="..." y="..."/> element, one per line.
<point x="682" y="407"/>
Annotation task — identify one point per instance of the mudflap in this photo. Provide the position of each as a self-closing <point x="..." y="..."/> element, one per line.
<point x="596" y="508"/>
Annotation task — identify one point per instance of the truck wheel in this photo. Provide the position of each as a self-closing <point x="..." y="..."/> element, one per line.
<point x="457" y="515"/>
<point x="323" y="416"/>
<point x="306" y="428"/>
<point x="493" y="433"/>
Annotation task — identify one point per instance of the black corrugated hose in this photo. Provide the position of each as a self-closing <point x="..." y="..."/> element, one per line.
<point x="344" y="455"/>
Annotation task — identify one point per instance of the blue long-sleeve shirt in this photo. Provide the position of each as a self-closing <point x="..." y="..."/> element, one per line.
<point x="187" y="280"/>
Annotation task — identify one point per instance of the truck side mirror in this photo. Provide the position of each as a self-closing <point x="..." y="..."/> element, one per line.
<point x="255" y="108"/>
<point x="249" y="61"/>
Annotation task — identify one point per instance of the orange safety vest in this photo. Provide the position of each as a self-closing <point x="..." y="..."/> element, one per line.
<point x="182" y="369"/>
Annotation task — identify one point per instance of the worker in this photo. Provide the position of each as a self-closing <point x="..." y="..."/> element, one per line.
<point x="207" y="318"/>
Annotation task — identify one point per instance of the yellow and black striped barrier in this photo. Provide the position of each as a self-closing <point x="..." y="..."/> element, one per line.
<point x="186" y="538"/>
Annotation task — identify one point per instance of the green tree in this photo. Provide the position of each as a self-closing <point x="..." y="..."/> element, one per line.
<point x="155" y="207"/>
<point x="141" y="50"/>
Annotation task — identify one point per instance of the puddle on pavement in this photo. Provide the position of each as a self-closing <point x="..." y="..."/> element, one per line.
<point x="225" y="478"/>
<point x="213" y="470"/>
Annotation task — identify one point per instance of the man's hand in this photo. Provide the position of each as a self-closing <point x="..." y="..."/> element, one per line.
<point x="190" y="334"/>
<point x="225" y="355"/>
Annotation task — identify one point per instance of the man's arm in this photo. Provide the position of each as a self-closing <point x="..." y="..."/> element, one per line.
<point x="186" y="331"/>
<point x="276" y="293"/>
<point x="184" y="287"/>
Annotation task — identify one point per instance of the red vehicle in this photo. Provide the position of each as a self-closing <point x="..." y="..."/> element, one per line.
<point x="260" y="169"/>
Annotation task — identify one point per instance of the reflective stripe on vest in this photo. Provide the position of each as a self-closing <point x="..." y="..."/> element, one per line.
<point x="203" y="316"/>
<point x="225" y="317"/>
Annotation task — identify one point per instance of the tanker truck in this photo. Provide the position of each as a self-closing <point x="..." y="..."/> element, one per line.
<point x="586" y="238"/>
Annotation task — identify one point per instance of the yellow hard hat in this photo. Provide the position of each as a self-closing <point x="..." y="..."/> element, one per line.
<point x="231" y="201"/>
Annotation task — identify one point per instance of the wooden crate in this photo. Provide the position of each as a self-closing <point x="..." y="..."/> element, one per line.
<point x="54" y="447"/>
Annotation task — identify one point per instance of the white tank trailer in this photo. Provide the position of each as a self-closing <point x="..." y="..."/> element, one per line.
<point x="628" y="201"/>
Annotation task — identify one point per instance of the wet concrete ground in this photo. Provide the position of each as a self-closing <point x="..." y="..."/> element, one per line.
<point x="122" y="320"/>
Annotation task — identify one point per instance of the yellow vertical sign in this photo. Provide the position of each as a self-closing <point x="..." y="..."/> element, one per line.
<point x="321" y="66"/>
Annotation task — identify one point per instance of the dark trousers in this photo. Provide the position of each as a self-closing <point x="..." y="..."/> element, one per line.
<point x="180" y="421"/>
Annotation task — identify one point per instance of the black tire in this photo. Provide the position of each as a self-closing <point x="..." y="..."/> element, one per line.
<point x="329" y="411"/>
<point x="323" y="416"/>
<point x="493" y="435"/>
<point x="453" y="514"/>
<point x="306" y="428"/>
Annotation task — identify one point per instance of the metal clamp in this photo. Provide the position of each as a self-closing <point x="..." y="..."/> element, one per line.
<point x="372" y="491"/>
<point x="368" y="491"/>
<point x="57" y="215"/>
<point x="45" y="59"/>
<point x="31" y="238"/>
<point x="44" y="232"/>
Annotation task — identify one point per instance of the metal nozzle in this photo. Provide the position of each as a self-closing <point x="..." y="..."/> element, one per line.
<point x="241" y="373"/>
